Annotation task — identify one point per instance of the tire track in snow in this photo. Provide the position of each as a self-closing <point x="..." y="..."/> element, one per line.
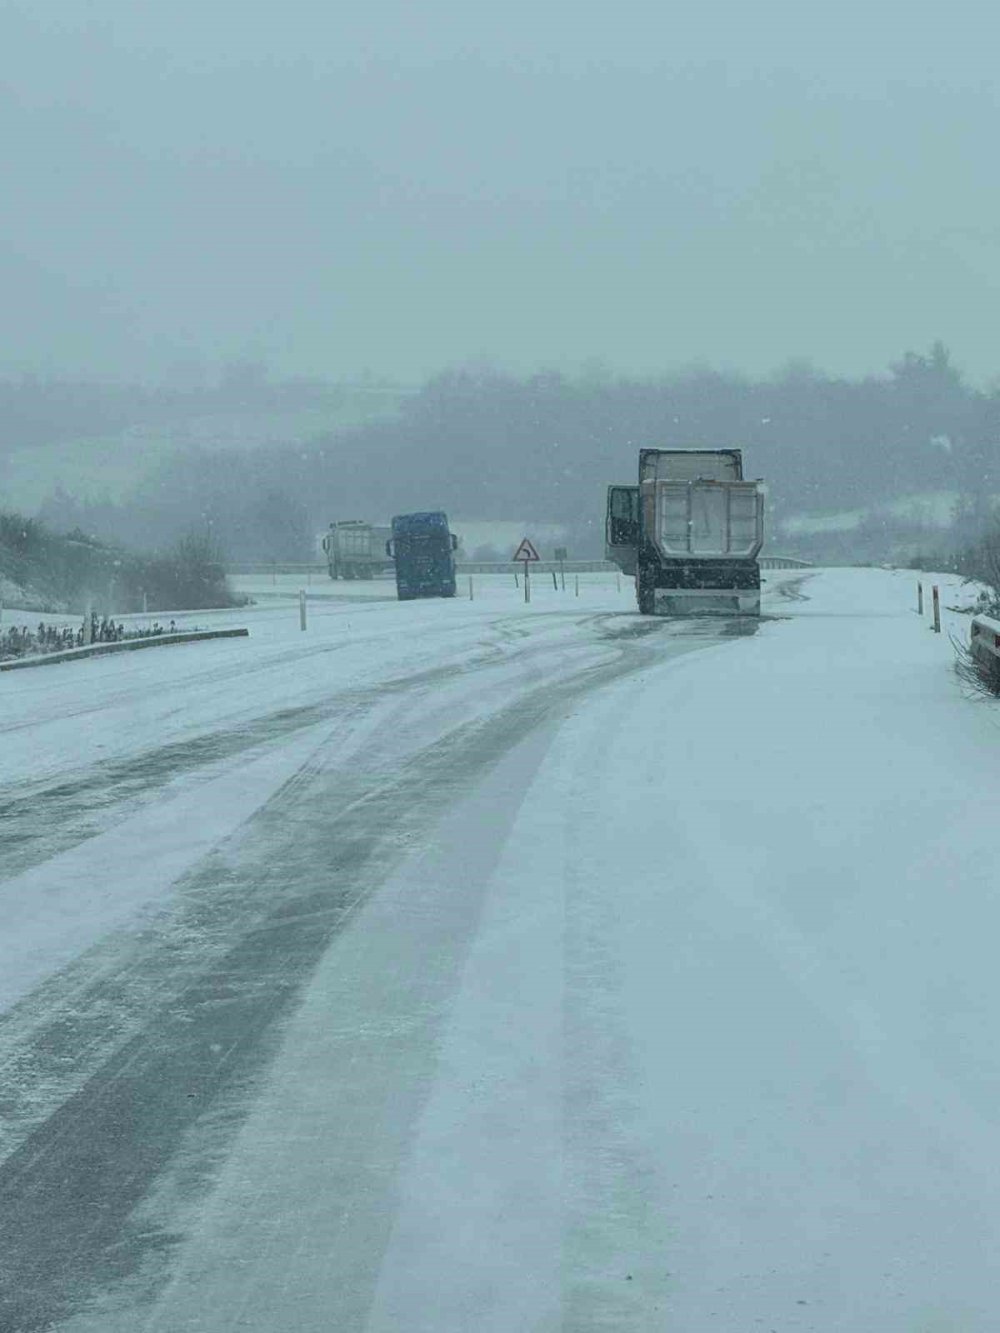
<point x="201" y="1016"/>
<point x="42" y="819"/>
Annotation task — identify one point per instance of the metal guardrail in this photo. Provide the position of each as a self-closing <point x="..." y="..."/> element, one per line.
<point x="783" y="562"/>
<point x="487" y="567"/>
<point x="120" y="646"/>
<point x="537" y="567"/>
<point x="246" y="568"/>
<point x="461" y="567"/>
<point x="984" y="640"/>
<point x="984" y="652"/>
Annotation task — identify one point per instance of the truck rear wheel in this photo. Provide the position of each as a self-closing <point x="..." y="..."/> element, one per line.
<point x="645" y="593"/>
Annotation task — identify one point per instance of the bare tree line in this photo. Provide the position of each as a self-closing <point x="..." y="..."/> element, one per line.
<point x="487" y="445"/>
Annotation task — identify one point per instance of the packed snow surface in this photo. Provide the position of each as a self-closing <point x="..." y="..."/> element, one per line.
<point x="681" y="1016"/>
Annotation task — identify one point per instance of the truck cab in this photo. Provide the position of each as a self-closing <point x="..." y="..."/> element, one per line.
<point x="423" y="549"/>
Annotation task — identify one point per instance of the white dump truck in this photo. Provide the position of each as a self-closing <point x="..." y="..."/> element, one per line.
<point x="356" y="550"/>
<point x="690" y="532"/>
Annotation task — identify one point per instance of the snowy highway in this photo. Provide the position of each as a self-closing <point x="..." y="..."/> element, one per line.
<point x="473" y="965"/>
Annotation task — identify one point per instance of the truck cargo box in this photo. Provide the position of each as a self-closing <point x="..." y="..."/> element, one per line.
<point x="708" y="518"/>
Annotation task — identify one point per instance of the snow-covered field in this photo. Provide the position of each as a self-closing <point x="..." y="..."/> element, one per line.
<point x="929" y="510"/>
<point x="630" y="975"/>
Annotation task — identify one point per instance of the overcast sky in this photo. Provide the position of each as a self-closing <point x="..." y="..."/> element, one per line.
<point x="399" y="186"/>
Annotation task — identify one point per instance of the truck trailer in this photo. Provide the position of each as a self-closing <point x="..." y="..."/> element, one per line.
<point x="356" y="550"/>
<point x="423" y="550"/>
<point x="690" y="533"/>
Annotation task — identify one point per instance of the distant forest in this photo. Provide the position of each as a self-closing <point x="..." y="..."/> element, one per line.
<point x="36" y="410"/>
<point x="541" y="449"/>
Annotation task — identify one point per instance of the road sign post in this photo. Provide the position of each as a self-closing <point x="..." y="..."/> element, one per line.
<point x="561" y="556"/>
<point x="528" y="555"/>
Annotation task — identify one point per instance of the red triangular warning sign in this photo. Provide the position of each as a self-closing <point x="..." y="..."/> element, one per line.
<point x="525" y="552"/>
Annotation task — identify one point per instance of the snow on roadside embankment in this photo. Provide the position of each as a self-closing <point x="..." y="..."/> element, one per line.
<point x="771" y="872"/>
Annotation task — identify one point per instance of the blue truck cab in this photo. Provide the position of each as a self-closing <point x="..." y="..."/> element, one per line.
<point x="423" y="549"/>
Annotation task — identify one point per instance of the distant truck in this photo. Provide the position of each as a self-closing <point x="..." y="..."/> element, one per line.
<point x="690" y="533"/>
<point x="356" y="550"/>
<point x="423" y="550"/>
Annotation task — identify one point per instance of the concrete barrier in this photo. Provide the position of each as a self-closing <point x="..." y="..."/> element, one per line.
<point x="123" y="646"/>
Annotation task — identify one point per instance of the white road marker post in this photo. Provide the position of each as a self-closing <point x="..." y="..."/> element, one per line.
<point x="937" y="609"/>
<point x="920" y="599"/>
<point x="555" y="583"/>
<point x="577" y="585"/>
<point x="471" y="598"/>
<point x="302" y="608"/>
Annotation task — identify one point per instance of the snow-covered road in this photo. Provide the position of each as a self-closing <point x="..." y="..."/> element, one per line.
<point x="476" y="965"/>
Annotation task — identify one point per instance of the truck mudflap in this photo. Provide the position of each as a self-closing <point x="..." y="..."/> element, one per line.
<point x="706" y="602"/>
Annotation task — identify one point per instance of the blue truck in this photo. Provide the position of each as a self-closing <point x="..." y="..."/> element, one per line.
<point x="423" y="550"/>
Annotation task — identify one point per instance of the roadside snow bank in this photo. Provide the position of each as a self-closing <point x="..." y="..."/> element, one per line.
<point x="120" y="646"/>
